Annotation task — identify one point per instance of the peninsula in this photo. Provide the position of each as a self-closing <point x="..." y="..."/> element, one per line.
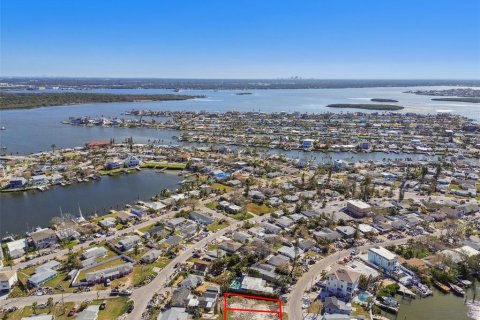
<point x="465" y="99"/>
<point x="386" y="107"/>
<point x="10" y="100"/>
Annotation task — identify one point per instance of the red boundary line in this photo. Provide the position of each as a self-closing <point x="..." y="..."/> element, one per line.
<point x="229" y="294"/>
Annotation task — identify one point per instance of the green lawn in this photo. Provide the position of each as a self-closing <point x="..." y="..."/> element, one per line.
<point x="222" y="187"/>
<point x="217" y="226"/>
<point x="162" y="165"/>
<point x="114" y="308"/>
<point x="257" y="209"/>
<point x="59" y="312"/>
<point x="241" y="216"/>
<point x="212" y="205"/>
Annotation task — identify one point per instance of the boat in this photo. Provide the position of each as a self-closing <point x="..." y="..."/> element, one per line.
<point x="457" y="290"/>
<point x="42" y="188"/>
<point x="440" y="286"/>
<point x="3" y="128"/>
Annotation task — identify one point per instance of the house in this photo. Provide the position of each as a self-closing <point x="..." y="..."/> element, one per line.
<point x="124" y="217"/>
<point x="52" y="265"/>
<point x="127" y="243"/>
<point x="201" y="267"/>
<point x="201" y="218"/>
<point x="290" y="252"/>
<point x="111" y="273"/>
<point x="89" y="313"/>
<point x="265" y="271"/>
<point x="8" y="278"/>
<point x="209" y="298"/>
<point x="173" y="314"/>
<point x="307" y="143"/>
<point x="180" y="297"/>
<point x="132" y="162"/>
<point x="342" y="282"/>
<point x="191" y="281"/>
<point x="306" y="244"/>
<point x="311" y="214"/>
<point x="278" y="261"/>
<point x="327" y="234"/>
<point x="39" y="179"/>
<point x="113" y="165"/>
<point x="358" y="208"/>
<point x="270" y="228"/>
<point x="383" y="258"/>
<point x="139" y="211"/>
<point x="241" y="237"/>
<point x="44" y="238"/>
<point x="108" y="222"/>
<point x="347" y="232"/>
<point x="175" y="223"/>
<point x="17" y="182"/>
<point x="42" y="276"/>
<point x="334" y="306"/>
<point x="151" y="256"/>
<point x="172" y="240"/>
<point x="230" y="246"/>
<point x="16" y="249"/>
<point x="255" y="284"/>
<point x="94" y="252"/>
<point x="284" y="222"/>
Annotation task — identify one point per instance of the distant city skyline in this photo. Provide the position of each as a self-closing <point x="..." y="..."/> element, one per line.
<point x="346" y="39"/>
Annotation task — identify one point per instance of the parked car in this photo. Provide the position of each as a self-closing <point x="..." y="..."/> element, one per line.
<point x="72" y="312"/>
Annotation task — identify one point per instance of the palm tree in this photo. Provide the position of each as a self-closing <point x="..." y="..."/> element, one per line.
<point x="54" y="146"/>
<point x="34" y="307"/>
<point x="50" y="304"/>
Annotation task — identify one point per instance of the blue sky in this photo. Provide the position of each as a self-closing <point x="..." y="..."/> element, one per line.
<point x="241" y="38"/>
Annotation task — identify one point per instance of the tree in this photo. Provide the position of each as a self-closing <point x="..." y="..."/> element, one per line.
<point x="34" y="307"/>
<point x="295" y="258"/>
<point x="53" y="147"/>
<point x="50" y="304"/>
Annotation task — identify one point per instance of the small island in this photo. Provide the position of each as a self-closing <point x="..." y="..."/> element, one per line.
<point x="382" y="100"/>
<point x="9" y="100"/>
<point x="243" y="93"/>
<point x="466" y="99"/>
<point x="382" y="107"/>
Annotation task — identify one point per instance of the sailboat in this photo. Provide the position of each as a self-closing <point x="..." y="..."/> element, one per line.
<point x="80" y="219"/>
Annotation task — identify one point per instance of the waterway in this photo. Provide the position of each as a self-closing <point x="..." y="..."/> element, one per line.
<point x="22" y="211"/>
<point x="35" y="130"/>
<point x="440" y="306"/>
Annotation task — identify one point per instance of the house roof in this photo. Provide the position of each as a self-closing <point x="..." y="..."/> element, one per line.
<point x="344" y="274"/>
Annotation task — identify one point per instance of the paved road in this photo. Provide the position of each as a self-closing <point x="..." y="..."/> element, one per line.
<point x="294" y="306"/>
<point x="143" y="295"/>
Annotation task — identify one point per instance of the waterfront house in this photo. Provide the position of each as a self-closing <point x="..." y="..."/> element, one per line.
<point x="127" y="243"/>
<point x="201" y="218"/>
<point x="139" y="211"/>
<point x="16" y="249"/>
<point x="307" y="143"/>
<point x="334" y="306"/>
<point x="43" y="238"/>
<point x="38" y="180"/>
<point x="342" y="282"/>
<point x="108" y="222"/>
<point x="384" y="259"/>
<point x="124" y="217"/>
<point x="132" y="162"/>
<point x="113" y="165"/>
<point x="17" y="182"/>
<point x="8" y="278"/>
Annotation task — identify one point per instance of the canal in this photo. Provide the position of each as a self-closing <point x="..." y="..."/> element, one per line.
<point x="21" y="211"/>
<point x="440" y="306"/>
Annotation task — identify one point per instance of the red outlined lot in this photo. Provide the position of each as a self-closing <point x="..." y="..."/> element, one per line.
<point x="228" y="310"/>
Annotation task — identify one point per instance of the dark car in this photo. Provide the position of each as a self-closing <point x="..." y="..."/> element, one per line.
<point x="72" y="312"/>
